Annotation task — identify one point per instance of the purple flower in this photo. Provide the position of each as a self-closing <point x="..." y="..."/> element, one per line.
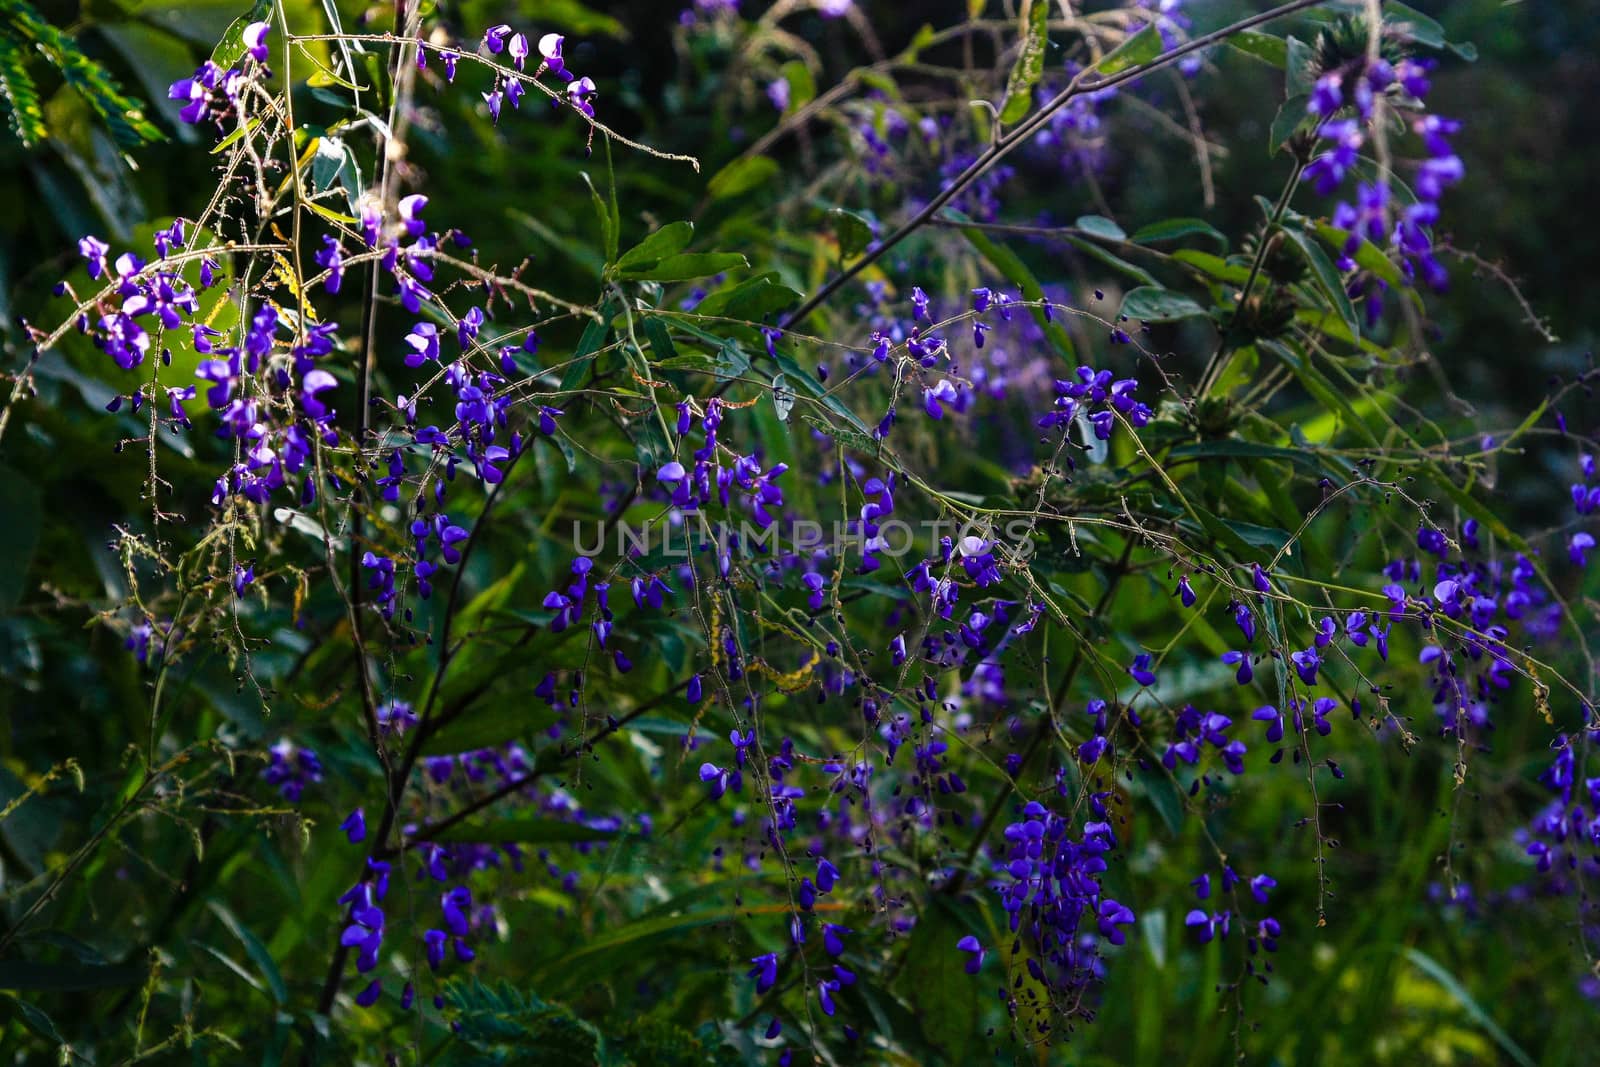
<point x="765" y="971"/>
<point x="331" y="259"/>
<point x="550" y="49"/>
<point x="255" y="40"/>
<point x="579" y="93"/>
<point x="1306" y="663"/>
<point x="494" y="38"/>
<point x="411" y="213"/>
<point x="423" y="340"/>
<point x="355" y="826"/>
<point x="975" y="953"/>
<point x="1578" y="548"/>
<point x="1113" y="916"/>
<point x="93" y="250"/>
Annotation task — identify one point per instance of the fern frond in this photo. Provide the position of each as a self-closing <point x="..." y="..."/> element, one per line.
<point x="123" y="115"/>
<point x="17" y="86"/>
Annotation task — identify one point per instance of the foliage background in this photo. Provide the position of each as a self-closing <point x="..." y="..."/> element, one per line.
<point x="1353" y="990"/>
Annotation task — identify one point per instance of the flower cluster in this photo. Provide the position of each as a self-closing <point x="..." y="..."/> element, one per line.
<point x="1050" y="888"/>
<point x="1344" y="100"/>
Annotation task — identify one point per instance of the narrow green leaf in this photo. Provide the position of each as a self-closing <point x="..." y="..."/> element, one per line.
<point x="1290" y="118"/>
<point x="741" y="176"/>
<point x="1172" y="229"/>
<point x="802" y="86"/>
<point x="1114" y="261"/>
<point x="592" y="340"/>
<point x="1029" y="66"/>
<point x="1435" y="970"/>
<point x="255" y="950"/>
<point x="1213" y="266"/>
<point x="1141" y="48"/>
<point x="608" y="235"/>
<point x="1327" y="278"/>
<point x="1009" y="264"/>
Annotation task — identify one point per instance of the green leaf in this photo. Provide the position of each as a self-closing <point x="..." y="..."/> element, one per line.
<point x="1435" y="970"/>
<point x="19" y="90"/>
<point x="1300" y="67"/>
<point x="751" y="299"/>
<point x="123" y="116"/>
<point x="1424" y="30"/>
<point x="1141" y="48"/>
<point x="1233" y="449"/>
<point x="1271" y="50"/>
<point x="1172" y="229"/>
<point x="255" y="950"/>
<point x="934" y="979"/>
<point x="593" y="339"/>
<point x="1368" y="257"/>
<point x="1213" y="266"/>
<point x="802" y="86"/>
<point x="1317" y="384"/>
<point x="1327" y="278"/>
<point x="655" y="331"/>
<point x="668" y="241"/>
<point x="35" y="1020"/>
<point x="631" y="934"/>
<point x="580" y="18"/>
<point x="1290" y="118"/>
<point x="239" y="131"/>
<point x="741" y="176"/>
<point x="1029" y="66"/>
<point x="608" y="221"/>
<point x="853" y="232"/>
<point x="1115" y="262"/>
<point x="686" y="266"/>
<point x="1150" y="303"/>
<point x="230" y="46"/>
<point x="1101" y="227"/>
